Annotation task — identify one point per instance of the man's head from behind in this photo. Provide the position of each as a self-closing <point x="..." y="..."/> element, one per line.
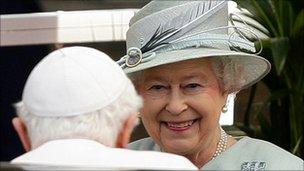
<point x="77" y="92"/>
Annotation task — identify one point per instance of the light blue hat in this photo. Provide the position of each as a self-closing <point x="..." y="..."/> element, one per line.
<point x="164" y="32"/>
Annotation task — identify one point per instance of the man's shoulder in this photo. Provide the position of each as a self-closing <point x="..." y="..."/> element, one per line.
<point x="88" y="154"/>
<point x="145" y="150"/>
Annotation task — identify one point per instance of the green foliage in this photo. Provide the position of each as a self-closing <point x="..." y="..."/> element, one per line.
<point x="284" y="21"/>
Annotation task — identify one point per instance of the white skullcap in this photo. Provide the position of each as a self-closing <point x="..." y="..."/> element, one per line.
<point x="73" y="81"/>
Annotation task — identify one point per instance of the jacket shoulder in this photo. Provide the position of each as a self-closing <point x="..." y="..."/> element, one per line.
<point x="275" y="156"/>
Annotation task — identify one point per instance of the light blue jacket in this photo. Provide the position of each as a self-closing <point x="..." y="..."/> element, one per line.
<point x="247" y="154"/>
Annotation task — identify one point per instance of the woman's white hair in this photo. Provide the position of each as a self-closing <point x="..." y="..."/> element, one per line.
<point x="229" y="73"/>
<point x="102" y="125"/>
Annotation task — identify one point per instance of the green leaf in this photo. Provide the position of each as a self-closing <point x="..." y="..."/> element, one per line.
<point x="279" y="49"/>
<point x="297" y="146"/>
<point x="285" y="16"/>
<point x="299" y="86"/>
<point x="298" y="24"/>
<point x="266" y="12"/>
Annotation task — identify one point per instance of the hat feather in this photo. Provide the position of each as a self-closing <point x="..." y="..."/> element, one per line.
<point x="182" y="24"/>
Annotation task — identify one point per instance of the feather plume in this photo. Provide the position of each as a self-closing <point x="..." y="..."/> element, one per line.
<point x="210" y="40"/>
<point x="180" y="24"/>
<point x="156" y="39"/>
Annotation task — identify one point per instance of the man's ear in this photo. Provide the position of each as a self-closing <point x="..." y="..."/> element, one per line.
<point x="124" y="135"/>
<point x="22" y="133"/>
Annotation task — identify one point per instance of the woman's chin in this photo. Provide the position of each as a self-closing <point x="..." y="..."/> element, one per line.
<point x="180" y="147"/>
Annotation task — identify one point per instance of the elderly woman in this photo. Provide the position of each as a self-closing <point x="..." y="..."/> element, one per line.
<point x="184" y="64"/>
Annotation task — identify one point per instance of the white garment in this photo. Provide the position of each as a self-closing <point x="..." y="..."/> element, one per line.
<point x="84" y="153"/>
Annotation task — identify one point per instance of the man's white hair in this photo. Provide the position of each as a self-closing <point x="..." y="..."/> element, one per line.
<point x="102" y="125"/>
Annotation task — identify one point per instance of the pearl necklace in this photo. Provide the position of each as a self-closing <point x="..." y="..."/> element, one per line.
<point x="222" y="144"/>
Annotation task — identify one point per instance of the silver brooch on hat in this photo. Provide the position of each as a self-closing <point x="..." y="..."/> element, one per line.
<point x="134" y="57"/>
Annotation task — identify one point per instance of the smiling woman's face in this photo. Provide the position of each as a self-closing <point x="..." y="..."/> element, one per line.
<point x="182" y="105"/>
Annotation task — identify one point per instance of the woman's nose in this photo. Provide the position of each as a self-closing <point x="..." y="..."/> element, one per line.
<point x="176" y="103"/>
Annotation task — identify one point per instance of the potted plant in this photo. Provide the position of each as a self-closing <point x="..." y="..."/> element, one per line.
<point x="284" y="48"/>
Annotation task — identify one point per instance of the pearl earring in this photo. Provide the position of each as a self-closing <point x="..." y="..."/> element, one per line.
<point x="224" y="108"/>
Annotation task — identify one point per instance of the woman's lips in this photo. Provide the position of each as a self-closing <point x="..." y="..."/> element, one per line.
<point x="180" y="126"/>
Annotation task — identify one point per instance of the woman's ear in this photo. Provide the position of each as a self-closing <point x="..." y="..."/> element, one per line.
<point x="22" y="133"/>
<point x="124" y="135"/>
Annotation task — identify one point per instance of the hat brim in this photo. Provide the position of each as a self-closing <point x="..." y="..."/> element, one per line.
<point x="255" y="67"/>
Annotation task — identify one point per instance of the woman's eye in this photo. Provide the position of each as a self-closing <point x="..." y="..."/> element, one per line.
<point x="193" y="85"/>
<point x="157" y="87"/>
<point x="157" y="91"/>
